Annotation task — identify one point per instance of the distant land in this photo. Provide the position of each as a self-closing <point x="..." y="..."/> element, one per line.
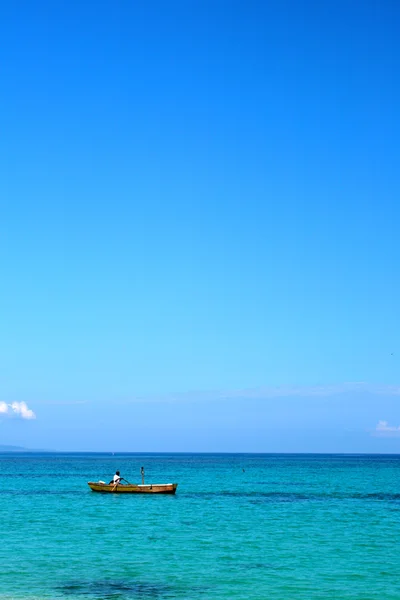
<point x="20" y="449"/>
<point x="12" y="448"/>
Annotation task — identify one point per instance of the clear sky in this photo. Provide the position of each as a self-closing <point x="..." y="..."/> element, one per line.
<point x="200" y="198"/>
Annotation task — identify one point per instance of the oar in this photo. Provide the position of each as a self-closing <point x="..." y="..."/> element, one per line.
<point x="116" y="484"/>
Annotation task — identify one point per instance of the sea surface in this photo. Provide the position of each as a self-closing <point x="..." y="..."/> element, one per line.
<point x="273" y="527"/>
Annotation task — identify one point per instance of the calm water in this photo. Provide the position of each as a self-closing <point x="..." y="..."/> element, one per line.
<point x="286" y="527"/>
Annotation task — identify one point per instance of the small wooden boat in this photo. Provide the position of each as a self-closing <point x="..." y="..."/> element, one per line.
<point x="155" y="488"/>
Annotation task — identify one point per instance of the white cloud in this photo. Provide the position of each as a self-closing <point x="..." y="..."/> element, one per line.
<point x="383" y="429"/>
<point x="384" y="426"/>
<point x="19" y="409"/>
<point x="267" y="392"/>
<point x="316" y="390"/>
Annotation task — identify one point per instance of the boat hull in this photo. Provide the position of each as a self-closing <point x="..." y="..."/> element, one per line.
<point x="157" y="488"/>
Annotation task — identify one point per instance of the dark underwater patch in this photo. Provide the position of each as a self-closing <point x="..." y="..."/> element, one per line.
<point x="117" y="589"/>
<point x="258" y="497"/>
<point x="259" y="565"/>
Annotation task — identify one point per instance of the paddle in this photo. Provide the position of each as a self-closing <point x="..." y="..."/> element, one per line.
<point x="120" y="479"/>
<point x="116" y="484"/>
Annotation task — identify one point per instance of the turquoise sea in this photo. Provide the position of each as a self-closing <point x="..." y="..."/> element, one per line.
<point x="276" y="527"/>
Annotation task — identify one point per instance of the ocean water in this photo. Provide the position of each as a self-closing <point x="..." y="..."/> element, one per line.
<point x="276" y="527"/>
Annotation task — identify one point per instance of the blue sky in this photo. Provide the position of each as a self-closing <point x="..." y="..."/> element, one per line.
<point x="200" y="198"/>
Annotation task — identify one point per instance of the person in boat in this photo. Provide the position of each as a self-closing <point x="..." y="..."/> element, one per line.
<point x="116" y="479"/>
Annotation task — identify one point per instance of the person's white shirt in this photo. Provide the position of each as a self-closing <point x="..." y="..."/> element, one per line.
<point x="116" y="478"/>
